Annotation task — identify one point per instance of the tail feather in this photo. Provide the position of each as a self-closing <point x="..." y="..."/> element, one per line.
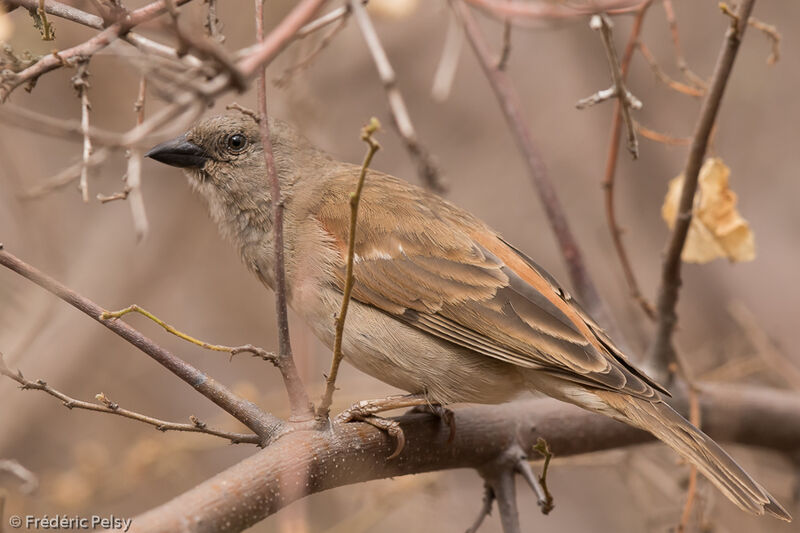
<point x="698" y="448"/>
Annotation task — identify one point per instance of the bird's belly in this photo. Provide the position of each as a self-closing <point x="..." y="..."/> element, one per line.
<point x="402" y="356"/>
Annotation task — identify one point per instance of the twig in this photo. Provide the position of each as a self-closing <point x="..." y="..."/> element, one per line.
<point x="691" y="489"/>
<point x="510" y="105"/>
<point x="764" y="346"/>
<point x="618" y="90"/>
<point x="611" y="169"/>
<point x="772" y="34"/>
<point x="505" y="52"/>
<point x="328" y="18"/>
<point x="107" y="406"/>
<point x="446" y="69"/>
<point x="80" y="82"/>
<point x="85" y="49"/>
<point x="64" y="11"/>
<point x="134" y="175"/>
<point x="544" y="449"/>
<point x="29" y="480"/>
<point x="500" y="474"/>
<point x="278" y="38"/>
<point x="486" y="508"/>
<point x="669" y="12"/>
<point x="426" y="168"/>
<point x="355" y="198"/>
<point x="245" y="111"/>
<point x="121" y="195"/>
<point x="770" y="31"/>
<point x="536" y="12"/>
<point x="662" y="138"/>
<point x="66" y="176"/>
<point x="263" y="424"/>
<point x="48" y="34"/>
<point x="300" y="405"/>
<point x="212" y="24"/>
<point x="664" y="78"/>
<point x="662" y="351"/>
<point x="286" y="77"/>
<point x="233" y="350"/>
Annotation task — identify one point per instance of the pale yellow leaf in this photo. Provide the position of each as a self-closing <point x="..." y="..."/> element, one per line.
<point x="717" y="228"/>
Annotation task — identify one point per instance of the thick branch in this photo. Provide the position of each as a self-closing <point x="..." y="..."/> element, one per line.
<point x="263" y="424"/>
<point x="662" y="351"/>
<point x="264" y="483"/>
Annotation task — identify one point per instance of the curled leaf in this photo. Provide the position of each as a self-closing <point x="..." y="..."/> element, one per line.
<point x="717" y="228"/>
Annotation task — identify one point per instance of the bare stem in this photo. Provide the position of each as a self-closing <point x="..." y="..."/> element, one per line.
<point x="510" y="105"/>
<point x="300" y="405"/>
<point x="618" y="90"/>
<point x="233" y="350"/>
<point x="107" y="406"/>
<point x="81" y="84"/>
<point x="611" y="169"/>
<point x="355" y="199"/>
<point x="425" y="167"/>
<point x="265" y="425"/>
<point x="134" y="175"/>
<point x="662" y="350"/>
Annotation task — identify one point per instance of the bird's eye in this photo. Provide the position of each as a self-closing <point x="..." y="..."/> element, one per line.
<point x="236" y="142"/>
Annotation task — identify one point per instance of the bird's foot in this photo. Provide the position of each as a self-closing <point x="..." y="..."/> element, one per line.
<point x="445" y="415"/>
<point x="366" y="411"/>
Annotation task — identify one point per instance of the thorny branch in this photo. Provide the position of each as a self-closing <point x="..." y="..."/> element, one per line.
<point x="355" y="198"/>
<point x="425" y="166"/>
<point x="107" y="406"/>
<point x="298" y="397"/>
<point x="662" y="351"/>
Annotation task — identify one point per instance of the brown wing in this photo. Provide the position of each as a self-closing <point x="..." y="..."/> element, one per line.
<point x="460" y="281"/>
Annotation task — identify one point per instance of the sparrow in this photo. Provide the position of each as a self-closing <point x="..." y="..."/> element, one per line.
<point x="442" y="306"/>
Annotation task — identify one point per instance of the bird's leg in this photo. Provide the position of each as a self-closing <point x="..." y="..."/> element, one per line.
<point x="445" y="415"/>
<point x="366" y="410"/>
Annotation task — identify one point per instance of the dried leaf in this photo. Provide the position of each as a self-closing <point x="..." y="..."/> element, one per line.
<point x="717" y="228"/>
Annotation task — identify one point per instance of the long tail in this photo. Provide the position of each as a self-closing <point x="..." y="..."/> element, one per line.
<point x="695" y="446"/>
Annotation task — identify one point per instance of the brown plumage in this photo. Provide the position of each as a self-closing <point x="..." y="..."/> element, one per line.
<point x="441" y="305"/>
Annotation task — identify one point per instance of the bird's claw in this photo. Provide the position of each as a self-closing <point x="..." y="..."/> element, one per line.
<point x="364" y="412"/>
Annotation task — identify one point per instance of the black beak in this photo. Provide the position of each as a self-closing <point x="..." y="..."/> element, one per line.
<point x="179" y="153"/>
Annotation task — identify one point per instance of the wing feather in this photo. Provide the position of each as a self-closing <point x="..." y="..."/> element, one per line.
<point x="459" y="281"/>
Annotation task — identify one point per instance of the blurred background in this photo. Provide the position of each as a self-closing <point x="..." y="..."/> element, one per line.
<point x="731" y="315"/>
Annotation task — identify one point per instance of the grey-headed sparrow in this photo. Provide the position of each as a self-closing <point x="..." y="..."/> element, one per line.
<point x="442" y="306"/>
